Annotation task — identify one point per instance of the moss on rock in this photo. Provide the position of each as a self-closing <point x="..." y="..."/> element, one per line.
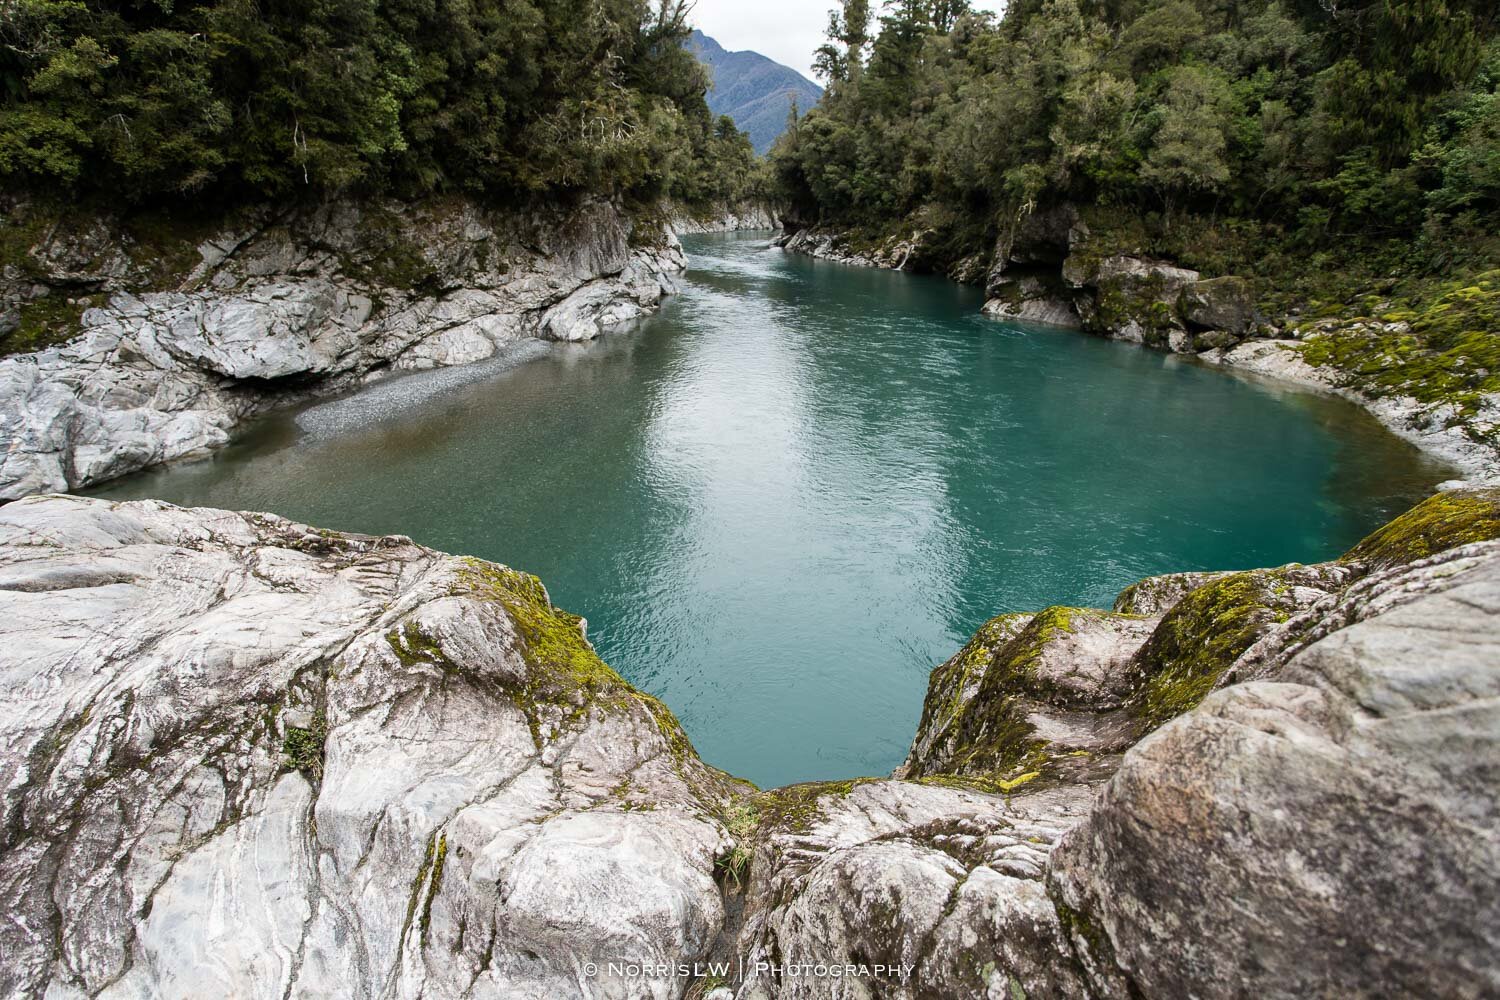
<point x="1443" y="522"/>
<point x="50" y="321"/>
<point x="1441" y="352"/>
<point x="1202" y="637"/>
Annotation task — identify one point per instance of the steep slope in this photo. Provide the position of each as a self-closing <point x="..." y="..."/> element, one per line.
<point x="753" y="90"/>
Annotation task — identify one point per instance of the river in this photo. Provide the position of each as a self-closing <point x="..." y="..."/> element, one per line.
<point x="786" y="498"/>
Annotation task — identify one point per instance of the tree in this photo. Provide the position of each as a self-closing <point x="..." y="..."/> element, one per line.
<point x="1187" y="151"/>
<point x="842" y="59"/>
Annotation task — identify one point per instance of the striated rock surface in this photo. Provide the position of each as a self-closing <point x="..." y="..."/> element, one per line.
<point x="729" y="219"/>
<point x="284" y="307"/>
<point x="243" y="757"/>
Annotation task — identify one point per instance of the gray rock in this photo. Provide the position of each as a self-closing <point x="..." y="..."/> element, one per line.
<point x="1223" y="304"/>
<point x="242" y="757"/>
<point x="1044" y="237"/>
<point x="309" y="306"/>
<point x="1031" y="300"/>
<point x="1343" y="812"/>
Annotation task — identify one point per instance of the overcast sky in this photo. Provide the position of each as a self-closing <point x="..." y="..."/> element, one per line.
<point x="786" y="30"/>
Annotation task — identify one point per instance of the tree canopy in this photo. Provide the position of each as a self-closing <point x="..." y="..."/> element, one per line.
<point x="162" y="100"/>
<point x="1323" y="119"/>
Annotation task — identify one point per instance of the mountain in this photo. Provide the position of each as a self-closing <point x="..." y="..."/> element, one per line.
<point x="753" y="90"/>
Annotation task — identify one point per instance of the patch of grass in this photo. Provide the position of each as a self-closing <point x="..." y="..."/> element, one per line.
<point x="303" y="749"/>
<point x="742" y="820"/>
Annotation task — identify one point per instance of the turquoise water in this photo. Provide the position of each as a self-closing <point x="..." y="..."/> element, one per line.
<point x="787" y="497"/>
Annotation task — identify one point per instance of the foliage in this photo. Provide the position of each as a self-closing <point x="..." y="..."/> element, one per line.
<point x="158" y="101"/>
<point x="1317" y="123"/>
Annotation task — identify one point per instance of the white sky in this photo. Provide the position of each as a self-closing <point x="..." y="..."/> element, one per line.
<point x="788" y="31"/>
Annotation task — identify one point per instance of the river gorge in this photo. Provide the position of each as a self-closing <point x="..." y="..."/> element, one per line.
<point x="783" y="499"/>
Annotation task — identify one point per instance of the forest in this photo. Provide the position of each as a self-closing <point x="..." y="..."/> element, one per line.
<point x="1229" y="131"/>
<point x="165" y="102"/>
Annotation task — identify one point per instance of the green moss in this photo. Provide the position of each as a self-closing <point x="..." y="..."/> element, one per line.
<point x="439" y="859"/>
<point x="554" y="641"/>
<point x="19" y="233"/>
<point x="1447" y="353"/>
<point x="1202" y="637"/>
<point x="388" y="257"/>
<point x="164" y="246"/>
<point x="678" y="744"/>
<point x="1443" y="522"/>
<point x="945" y="699"/>
<point x="46" y="322"/>
<point x="303" y="749"/>
<point x="989" y="743"/>
<point x="417" y="895"/>
<point x="796" y="808"/>
<point x="990" y="783"/>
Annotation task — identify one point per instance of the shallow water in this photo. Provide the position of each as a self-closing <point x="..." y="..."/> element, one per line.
<point x="786" y="498"/>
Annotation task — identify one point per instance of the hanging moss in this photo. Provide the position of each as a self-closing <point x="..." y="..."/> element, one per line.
<point x="1444" y="522"/>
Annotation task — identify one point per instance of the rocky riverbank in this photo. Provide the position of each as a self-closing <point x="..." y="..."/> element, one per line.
<point x="1049" y="267"/>
<point x="247" y="757"/>
<point x="725" y="219"/>
<point x="160" y="351"/>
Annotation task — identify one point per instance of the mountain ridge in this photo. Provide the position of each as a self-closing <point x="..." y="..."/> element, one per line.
<point x="753" y="89"/>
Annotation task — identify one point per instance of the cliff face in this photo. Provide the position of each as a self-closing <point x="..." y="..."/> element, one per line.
<point x="245" y="757"/>
<point x="281" y="307"/>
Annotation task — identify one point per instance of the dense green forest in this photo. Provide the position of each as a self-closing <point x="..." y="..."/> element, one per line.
<point x="1358" y="128"/>
<point x="164" y="101"/>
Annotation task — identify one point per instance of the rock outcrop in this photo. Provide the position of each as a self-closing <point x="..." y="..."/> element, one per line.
<point x="752" y="217"/>
<point x="284" y="307"/>
<point x="1308" y="809"/>
<point x="244" y="757"/>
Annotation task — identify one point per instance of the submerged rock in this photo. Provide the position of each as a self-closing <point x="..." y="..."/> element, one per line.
<point x="246" y="757"/>
<point x="289" y="307"/>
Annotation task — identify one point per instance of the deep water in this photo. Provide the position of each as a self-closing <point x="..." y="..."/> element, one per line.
<point x="786" y="498"/>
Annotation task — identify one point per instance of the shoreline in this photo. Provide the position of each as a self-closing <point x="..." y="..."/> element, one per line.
<point x="314" y="306"/>
<point x="1431" y="429"/>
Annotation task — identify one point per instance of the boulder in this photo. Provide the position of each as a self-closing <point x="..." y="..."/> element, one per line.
<point x="244" y="757"/>
<point x="1032" y="299"/>
<point x="1221" y="304"/>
